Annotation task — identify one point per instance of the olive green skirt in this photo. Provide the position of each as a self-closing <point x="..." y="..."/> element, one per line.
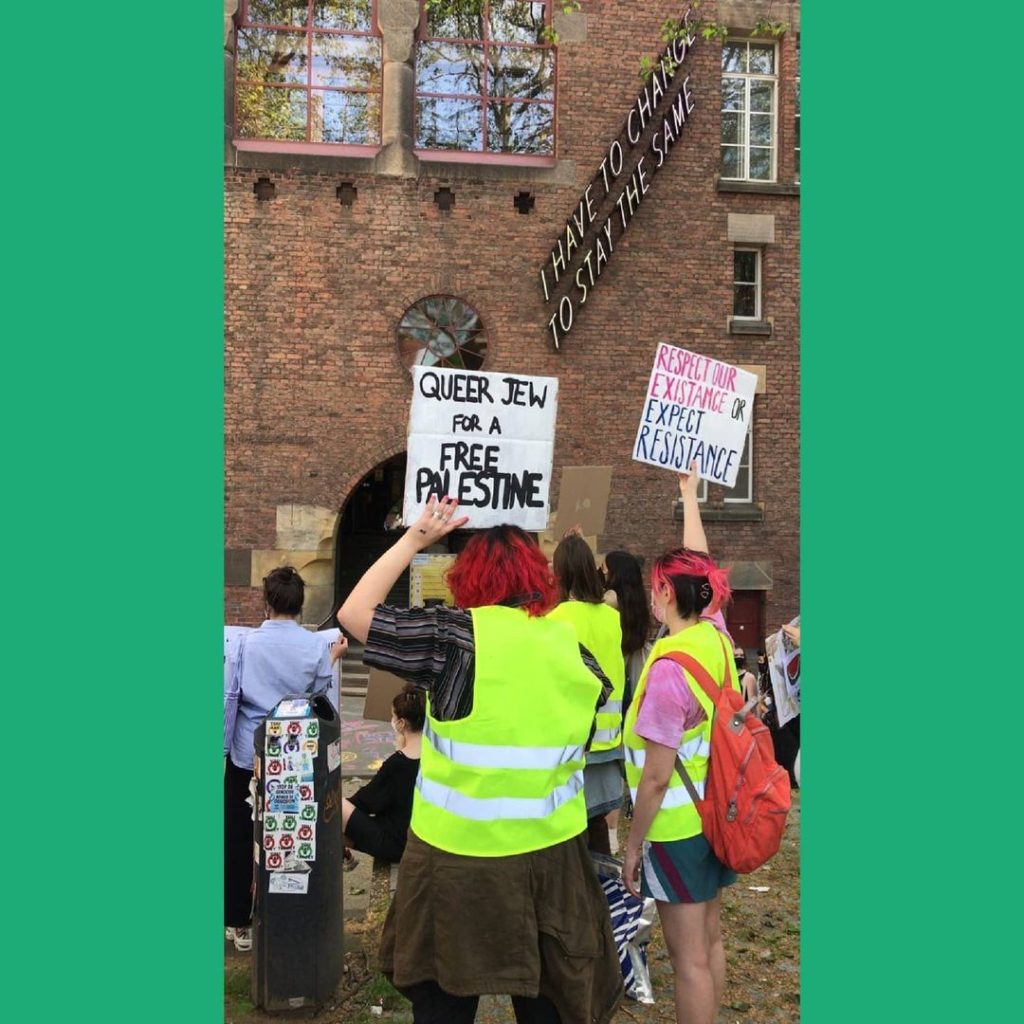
<point x="533" y="924"/>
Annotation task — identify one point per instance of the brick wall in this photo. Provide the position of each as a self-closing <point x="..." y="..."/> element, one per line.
<point x="315" y="395"/>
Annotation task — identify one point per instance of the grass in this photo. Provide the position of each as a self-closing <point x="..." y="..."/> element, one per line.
<point x="238" y="989"/>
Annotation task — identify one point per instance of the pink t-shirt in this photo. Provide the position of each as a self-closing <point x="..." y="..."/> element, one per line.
<point x="669" y="707"/>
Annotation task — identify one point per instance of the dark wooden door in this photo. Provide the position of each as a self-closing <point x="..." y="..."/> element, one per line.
<point x="745" y="618"/>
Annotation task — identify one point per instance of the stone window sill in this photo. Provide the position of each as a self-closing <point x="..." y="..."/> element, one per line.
<point x="764" y="188"/>
<point x="546" y="172"/>
<point x="762" y="327"/>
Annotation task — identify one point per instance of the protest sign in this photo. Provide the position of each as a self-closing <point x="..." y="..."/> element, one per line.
<point x="381" y="690"/>
<point x="696" y="409"/>
<point x="784" y="674"/>
<point x="486" y="439"/>
<point x="583" y="499"/>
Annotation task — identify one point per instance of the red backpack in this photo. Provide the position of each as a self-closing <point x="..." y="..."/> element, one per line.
<point x="746" y="795"/>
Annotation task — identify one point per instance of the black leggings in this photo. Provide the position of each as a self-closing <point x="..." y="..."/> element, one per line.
<point x="432" y="1005"/>
<point x="238" y="839"/>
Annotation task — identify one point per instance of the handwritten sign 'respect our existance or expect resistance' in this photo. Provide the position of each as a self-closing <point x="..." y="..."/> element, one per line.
<point x="697" y="408"/>
<point x="485" y="438"/>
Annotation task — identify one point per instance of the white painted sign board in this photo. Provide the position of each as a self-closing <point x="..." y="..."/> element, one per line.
<point x="485" y="438"/>
<point x="696" y="409"/>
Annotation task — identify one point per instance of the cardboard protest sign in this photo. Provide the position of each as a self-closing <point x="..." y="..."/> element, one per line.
<point x="381" y="690"/>
<point x="484" y="438"/>
<point x="696" y="409"/>
<point x="583" y="499"/>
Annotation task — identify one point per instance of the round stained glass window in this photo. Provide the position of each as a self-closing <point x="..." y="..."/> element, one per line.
<point x="442" y="330"/>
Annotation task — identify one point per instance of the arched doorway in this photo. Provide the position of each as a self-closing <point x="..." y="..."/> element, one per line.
<point x="362" y="535"/>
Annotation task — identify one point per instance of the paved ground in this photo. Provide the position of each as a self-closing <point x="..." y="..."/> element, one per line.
<point x="761" y="929"/>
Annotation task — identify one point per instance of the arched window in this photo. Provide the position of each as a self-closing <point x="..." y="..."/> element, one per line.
<point x="307" y="75"/>
<point x="485" y="78"/>
<point x="441" y="330"/>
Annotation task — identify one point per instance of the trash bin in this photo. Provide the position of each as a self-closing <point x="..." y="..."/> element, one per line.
<point x="297" y="917"/>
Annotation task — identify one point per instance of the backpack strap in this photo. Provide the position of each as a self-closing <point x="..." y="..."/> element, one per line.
<point x="713" y="691"/>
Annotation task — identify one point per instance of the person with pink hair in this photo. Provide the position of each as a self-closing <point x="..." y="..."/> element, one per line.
<point x="667" y="857"/>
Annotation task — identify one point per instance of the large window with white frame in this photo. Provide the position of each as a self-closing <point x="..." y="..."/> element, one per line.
<point x="746" y="284"/>
<point x="749" y="109"/>
<point x="743" y="492"/>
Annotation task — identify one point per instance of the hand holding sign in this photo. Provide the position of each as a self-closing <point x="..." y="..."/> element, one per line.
<point x="689" y="483"/>
<point x="436" y="521"/>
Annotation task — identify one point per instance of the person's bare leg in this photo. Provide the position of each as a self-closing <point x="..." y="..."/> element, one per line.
<point x="347" y="807"/>
<point x="716" y="950"/>
<point x="686" y="933"/>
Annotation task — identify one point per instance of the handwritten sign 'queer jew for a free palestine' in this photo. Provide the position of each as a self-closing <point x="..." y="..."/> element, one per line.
<point x="485" y="438"/>
<point x="696" y="408"/>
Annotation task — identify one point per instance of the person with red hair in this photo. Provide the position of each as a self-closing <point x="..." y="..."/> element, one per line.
<point x="496" y="891"/>
<point x="669" y="721"/>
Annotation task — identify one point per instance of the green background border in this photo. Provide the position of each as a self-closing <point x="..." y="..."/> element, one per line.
<point x="114" y="448"/>
<point x="910" y="902"/>
<point x="113" y="436"/>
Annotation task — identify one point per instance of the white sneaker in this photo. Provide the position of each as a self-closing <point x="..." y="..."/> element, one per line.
<point x="229" y="934"/>
<point x="243" y="939"/>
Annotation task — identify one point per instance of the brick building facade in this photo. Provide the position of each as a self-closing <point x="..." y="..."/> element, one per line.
<point x="327" y="248"/>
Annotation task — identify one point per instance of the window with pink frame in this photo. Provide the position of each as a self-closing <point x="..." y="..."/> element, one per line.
<point x="485" y="79"/>
<point x="307" y="75"/>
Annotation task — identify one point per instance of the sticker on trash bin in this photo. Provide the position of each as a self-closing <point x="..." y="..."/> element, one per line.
<point x="333" y="755"/>
<point x="289" y="823"/>
<point x="298" y="708"/>
<point x="293" y="728"/>
<point x="300" y="764"/>
<point x="275" y="728"/>
<point x="286" y="842"/>
<point x="274" y="766"/>
<point x="269" y="841"/>
<point x="306" y="791"/>
<point x="274" y="861"/>
<point x="308" y="811"/>
<point x="274" y="746"/>
<point x="271" y="823"/>
<point x="306" y="851"/>
<point x="291" y="745"/>
<point x="312" y="728"/>
<point x="284" y="799"/>
<point x="289" y="882"/>
<point x="310" y="747"/>
<point x="306" y="832"/>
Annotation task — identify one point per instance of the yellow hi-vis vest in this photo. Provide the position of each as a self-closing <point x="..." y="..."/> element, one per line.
<point x="599" y="629"/>
<point x="678" y="817"/>
<point x="508" y="778"/>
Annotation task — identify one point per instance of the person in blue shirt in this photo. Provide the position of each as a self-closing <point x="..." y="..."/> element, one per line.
<point x="278" y="659"/>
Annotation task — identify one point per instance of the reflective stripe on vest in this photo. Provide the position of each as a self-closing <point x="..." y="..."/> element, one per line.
<point x="479" y="755"/>
<point x="508" y="777"/>
<point x="699" y="746"/>
<point x="605" y="738"/>
<point x="610" y="707"/>
<point x="497" y="808"/>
